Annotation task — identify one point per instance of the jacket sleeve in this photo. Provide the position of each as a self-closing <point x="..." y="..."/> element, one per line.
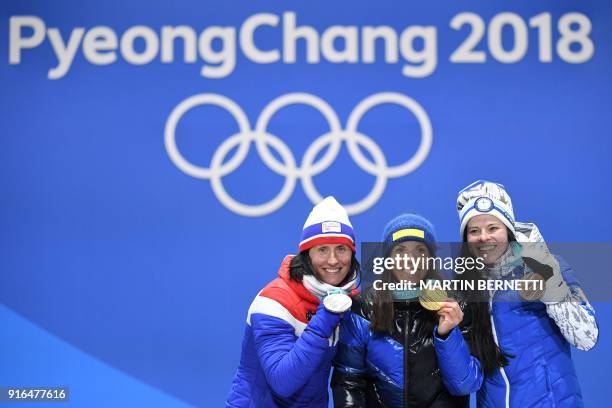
<point x="574" y="315"/>
<point x="349" y="382"/>
<point x="461" y="372"/>
<point x="288" y="361"/>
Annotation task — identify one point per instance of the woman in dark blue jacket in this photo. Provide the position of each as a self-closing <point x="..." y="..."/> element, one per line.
<point x="535" y="327"/>
<point x="390" y="350"/>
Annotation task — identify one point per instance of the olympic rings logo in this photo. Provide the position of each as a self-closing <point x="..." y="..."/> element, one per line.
<point x="289" y="168"/>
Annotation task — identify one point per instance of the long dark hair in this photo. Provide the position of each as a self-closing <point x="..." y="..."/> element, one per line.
<point x="301" y="265"/>
<point x="383" y="309"/>
<point x="483" y="344"/>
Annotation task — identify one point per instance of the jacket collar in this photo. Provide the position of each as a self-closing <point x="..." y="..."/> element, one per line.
<point x="298" y="287"/>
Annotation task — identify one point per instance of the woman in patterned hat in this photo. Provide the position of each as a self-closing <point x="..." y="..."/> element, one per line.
<point x="534" y="327"/>
<point x="292" y="326"/>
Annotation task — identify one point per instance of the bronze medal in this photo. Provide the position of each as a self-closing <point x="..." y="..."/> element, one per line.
<point x="532" y="294"/>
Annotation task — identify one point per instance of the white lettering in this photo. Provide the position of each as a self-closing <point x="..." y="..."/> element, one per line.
<point x="291" y="34"/>
<point x="225" y="57"/>
<point x="247" y="43"/>
<point x="169" y="34"/>
<point x="370" y="35"/>
<point x="100" y="39"/>
<point x="427" y="57"/>
<point x="64" y="53"/>
<point x="349" y="37"/>
<point x="17" y="42"/>
<point x="151" y="42"/>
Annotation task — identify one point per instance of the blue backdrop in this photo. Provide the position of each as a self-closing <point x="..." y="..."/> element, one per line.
<point x="159" y="160"/>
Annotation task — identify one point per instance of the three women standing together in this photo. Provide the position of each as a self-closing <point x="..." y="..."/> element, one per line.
<point x="391" y="351"/>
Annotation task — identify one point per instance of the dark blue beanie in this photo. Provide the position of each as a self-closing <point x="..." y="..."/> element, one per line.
<point x="410" y="227"/>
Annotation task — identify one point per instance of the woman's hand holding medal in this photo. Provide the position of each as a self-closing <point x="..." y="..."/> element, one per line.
<point x="450" y="316"/>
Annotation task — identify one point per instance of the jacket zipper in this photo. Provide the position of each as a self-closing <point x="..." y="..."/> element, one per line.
<point x="501" y="369"/>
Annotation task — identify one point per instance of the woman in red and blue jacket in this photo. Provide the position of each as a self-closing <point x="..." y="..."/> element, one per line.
<point x="292" y="325"/>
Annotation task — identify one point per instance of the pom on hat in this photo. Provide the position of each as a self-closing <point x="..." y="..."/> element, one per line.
<point x="328" y="223"/>
<point x="484" y="197"/>
<point x="409" y="227"/>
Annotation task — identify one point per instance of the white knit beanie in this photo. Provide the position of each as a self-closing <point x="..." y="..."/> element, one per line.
<point x="328" y="223"/>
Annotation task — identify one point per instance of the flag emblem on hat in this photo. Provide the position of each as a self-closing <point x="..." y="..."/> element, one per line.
<point x="408" y="232"/>
<point x="331" y="226"/>
<point x="484" y="204"/>
<point x="327" y="223"/>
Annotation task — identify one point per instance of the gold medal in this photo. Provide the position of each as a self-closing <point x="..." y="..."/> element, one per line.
<point x="432" y="299"/>
<point x="533" y="293"/>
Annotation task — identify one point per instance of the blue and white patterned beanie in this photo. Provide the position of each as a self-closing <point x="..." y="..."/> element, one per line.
<point x="485" y="197"/>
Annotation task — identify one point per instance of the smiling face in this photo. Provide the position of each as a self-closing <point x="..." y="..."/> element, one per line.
<point x="488" y="237"/>
<point x="331" y="262"/>
<point x="411" y="251"/>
